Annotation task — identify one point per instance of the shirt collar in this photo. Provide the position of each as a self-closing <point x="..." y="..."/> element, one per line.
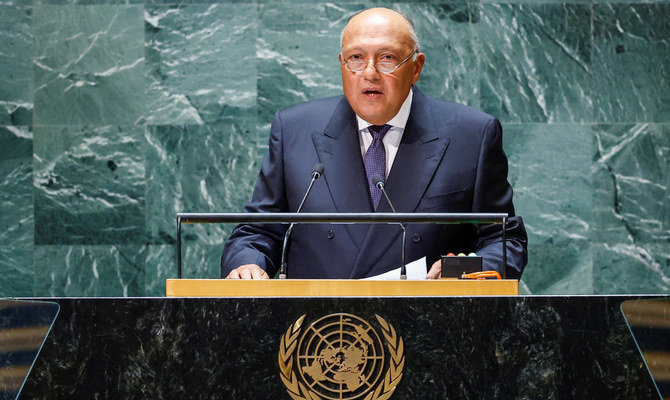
<point x="400" y="119"/>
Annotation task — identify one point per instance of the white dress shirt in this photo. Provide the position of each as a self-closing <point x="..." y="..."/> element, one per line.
<point x="393" y="136"/>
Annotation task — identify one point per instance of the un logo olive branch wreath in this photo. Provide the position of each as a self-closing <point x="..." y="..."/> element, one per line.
<point x="299" y="391"/>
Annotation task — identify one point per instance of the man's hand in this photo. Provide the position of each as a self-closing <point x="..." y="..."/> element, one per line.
<point x="248" y="271"/>
<point x="435" y="270"/>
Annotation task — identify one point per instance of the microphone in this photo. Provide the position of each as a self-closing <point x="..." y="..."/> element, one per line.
<point x="378" y="181"/>
<point x="317" y="171"/>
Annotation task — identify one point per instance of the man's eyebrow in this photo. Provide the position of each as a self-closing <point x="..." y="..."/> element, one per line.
<point x="376" y="51"/>
<point x="392" y="49"/>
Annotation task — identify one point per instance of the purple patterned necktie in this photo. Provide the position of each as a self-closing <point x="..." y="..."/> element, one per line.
<point x="375" y="160"/>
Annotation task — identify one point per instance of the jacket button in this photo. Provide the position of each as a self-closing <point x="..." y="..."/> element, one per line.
<point x="416" y="238"/>
<point x="330" y="234"/>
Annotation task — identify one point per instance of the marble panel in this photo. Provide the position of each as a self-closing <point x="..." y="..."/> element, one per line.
<point x="198" y="168"/>
<point x="160" y="264"/>
<point x="88" y="64"/>
<point x="89" y="185"/>
<point x="632" y="203"/>
<point x="297" y="50"/>
<point x="630" y="2"/>
<point x="199" y="261"/>
<point x="556" y="1"/>
<point x="89" y="271"/>
<point x="631" y="62"/>
<point x="536" y="61"/>
<point x="550" y="171"/>
<point x="16" y="264"/>
<point x="366" y="3"/>
<point x="201" y="63"/>
<point x="520" y="1"/>
<point x="243" y="3"/>
<point x="16" y="46"/>
<point x="631" y="178"/>
<point x="631" y="268"/>
<point x="451" y="71"/>
<point x="16" y="195"/>
<point x="88" y="2"/>
<point x="558" y="266"/>
<point x="16" y="218"/>
<point x="16" y="3"/>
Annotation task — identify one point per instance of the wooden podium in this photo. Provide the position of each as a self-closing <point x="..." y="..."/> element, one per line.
<point x="339" y="288"/>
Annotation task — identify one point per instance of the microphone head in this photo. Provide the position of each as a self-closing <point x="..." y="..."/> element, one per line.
<point x="378" y="181"/>
<point x="317" y="170"/>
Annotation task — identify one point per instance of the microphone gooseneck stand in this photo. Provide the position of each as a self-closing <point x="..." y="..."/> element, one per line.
<point x="378" y="181"/>
<point x="317" y="171"/>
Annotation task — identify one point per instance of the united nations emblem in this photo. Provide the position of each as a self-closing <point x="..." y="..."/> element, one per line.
<point x="340" y="357"/>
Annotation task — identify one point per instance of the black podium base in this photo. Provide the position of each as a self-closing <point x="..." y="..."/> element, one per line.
<point x="452" y="348"/>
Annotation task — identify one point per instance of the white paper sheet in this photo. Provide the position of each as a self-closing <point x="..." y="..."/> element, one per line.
<point x="416" y="270"/>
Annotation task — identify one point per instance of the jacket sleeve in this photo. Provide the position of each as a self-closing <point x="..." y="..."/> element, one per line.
<point x="261" y="243"/>
<point x="494" y="194"/>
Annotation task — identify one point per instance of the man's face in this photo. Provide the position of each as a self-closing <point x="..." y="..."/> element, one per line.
<point x="378" y="34"/>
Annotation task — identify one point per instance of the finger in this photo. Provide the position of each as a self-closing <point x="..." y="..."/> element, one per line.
<point x="258" y="273"/>
<point x="233" y="275"/>
<point x="245" y="272"/>
<point x="435" y="270"/>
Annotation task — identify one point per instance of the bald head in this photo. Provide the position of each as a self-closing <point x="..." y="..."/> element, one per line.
<point x="382" y="46"/>
<point x="382" y="15"/>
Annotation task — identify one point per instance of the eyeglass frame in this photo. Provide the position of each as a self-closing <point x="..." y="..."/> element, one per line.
<point x="415" y="51"/>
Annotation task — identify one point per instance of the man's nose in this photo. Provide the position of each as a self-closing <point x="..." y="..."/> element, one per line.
<point x="370" y="72"/>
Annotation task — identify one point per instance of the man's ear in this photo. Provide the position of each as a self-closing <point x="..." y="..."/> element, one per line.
<point x="418" y="66"/>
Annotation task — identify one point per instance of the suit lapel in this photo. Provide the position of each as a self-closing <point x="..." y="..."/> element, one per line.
<point x="339" y="152"/>
<point x="419" y="154"/>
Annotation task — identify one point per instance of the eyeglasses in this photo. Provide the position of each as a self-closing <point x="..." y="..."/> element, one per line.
<point x="381" y="66"/>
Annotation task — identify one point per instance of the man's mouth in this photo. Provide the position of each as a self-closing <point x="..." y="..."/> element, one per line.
<point x="371" y="92"/>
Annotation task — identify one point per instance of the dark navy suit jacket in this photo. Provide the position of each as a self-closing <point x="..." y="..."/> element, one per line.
<point x="450" y="159"/>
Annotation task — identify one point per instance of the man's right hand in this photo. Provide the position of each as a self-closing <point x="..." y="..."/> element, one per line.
<point x="248" y="271"/>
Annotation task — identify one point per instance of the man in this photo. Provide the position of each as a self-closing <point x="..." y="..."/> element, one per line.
<point x="436" y="156"/>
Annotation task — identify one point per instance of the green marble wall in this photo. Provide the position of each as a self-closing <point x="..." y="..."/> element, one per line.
<point x="117" y="114"/>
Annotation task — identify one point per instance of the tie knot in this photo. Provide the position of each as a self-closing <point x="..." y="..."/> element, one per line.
<point x="378" y="131"/>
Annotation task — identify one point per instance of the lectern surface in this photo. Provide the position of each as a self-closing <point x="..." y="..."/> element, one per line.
<point x="338" y="288"/>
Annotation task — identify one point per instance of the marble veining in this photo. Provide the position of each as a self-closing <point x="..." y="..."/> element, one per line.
<point x="89" y="185"/>
<point x="88" y="64"/>
<point x="560" y="222"/>
<point x="16" y="100"/>
<point x="97" y="270"/>
<point x="212" y="81"/>
<point x="631" y="200"/>
<point x="536" y="62"/>
<point x="16" y="169"/>
<point x="209" y="168"/>
<point x="632" y="166"/>
<point x="16" y="237"/>
<point x="631" y="59"/>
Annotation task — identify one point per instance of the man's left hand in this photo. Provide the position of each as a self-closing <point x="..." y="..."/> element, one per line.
<point x="435" y="270"/>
